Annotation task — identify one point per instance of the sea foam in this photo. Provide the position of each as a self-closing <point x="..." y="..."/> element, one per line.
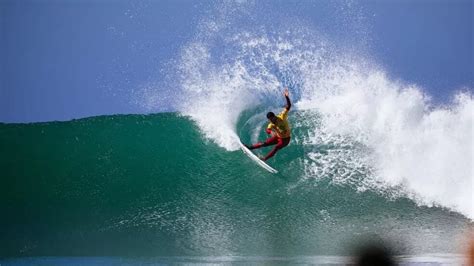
<point x="422" y="149"/>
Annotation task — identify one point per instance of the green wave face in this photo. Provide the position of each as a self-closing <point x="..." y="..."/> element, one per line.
<point x="135" y="185"/>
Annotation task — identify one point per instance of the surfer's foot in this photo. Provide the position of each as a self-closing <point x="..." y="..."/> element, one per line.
<point x="261" y="158"/>
<point x="248" y="147"/>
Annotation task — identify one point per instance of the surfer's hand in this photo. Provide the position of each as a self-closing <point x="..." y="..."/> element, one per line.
<point x="269" y="131"/>
<point x="286" y="93"/>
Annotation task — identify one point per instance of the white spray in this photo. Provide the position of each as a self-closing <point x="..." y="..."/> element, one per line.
<point x="425" y="149"/>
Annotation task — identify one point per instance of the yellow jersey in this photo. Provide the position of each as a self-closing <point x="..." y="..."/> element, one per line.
<point x="281" y="127"/>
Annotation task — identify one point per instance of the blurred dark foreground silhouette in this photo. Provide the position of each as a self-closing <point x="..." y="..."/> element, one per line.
<point x="374" y="255"/>
<point x="377" y="251"/>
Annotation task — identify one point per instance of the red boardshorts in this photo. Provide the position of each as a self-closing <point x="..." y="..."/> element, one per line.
<point x="280" y="143"/>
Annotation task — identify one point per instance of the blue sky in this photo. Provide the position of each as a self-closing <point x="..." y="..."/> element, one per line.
<point x="68" y="59"/>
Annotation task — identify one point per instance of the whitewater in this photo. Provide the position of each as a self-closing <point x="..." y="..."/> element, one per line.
<point x="405" y="144"/>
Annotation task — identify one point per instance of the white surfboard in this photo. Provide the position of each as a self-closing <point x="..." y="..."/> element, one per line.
<point x="256" y="159"/>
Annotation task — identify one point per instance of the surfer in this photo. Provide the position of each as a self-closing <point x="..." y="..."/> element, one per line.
<point x="279" y="128"/>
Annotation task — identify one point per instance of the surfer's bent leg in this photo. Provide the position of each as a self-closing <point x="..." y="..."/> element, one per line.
<point x="270" y="141"/>
<point x="281" y="143"/>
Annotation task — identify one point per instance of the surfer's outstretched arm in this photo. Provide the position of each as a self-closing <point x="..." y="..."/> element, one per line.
<point x="288" y="102"/>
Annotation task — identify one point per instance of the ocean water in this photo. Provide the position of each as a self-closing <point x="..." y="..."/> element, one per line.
<point x="154" y="186"/>
<point x="429" y="259"/>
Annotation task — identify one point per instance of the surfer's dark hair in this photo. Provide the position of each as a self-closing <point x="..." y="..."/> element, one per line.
<point x="270" y="115"/>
